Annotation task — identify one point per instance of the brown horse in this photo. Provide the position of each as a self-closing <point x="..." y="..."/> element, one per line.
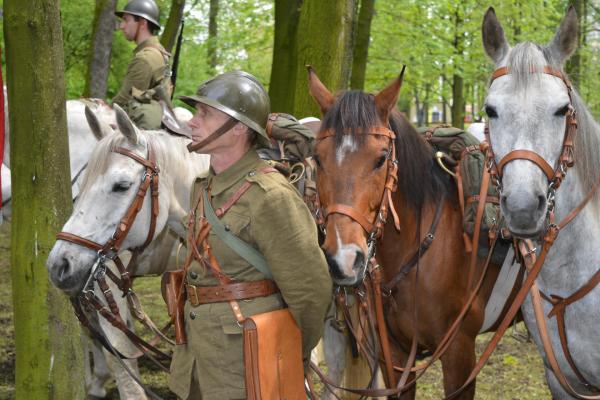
<point x="354" y="154"/>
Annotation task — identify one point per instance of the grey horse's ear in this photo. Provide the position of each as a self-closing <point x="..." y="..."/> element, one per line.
<point x="565" y="43"/>
<point x="494" y="42"/>
<point x="99" y="128"/>
<point x="125" y="125"/>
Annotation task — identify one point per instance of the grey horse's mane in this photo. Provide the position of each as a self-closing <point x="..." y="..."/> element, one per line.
<point x="527" y="56"/>
<point x="98" y="162"/>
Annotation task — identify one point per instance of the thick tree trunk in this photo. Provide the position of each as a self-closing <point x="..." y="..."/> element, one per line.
<point x="100" y="50"/>
<point x="169" y="35"/>
<point x="212" y="54"/>
<point x="47" y="336"/>
<point x="361" y="44"/>
<point x="325" y="43"/>
<point x="458" y="102"/>
<point x="283" y="71"/>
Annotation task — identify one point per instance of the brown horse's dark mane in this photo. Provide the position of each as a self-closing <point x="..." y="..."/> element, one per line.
<point x="420" y="180"/>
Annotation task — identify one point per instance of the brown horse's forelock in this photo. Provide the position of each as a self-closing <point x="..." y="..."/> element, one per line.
<point x="420" y="181"/>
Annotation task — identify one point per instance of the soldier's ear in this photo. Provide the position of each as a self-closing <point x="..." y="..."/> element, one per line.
<point x="126" y="126"/>
<point x="99" y="128"/>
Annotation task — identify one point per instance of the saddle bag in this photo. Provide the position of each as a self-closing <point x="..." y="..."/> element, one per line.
<point x="273" y="357"/>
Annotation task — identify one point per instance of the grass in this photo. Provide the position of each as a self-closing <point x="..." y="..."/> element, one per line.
<point x="514" y="372"/>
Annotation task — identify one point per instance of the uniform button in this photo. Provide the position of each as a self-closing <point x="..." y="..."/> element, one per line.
<point x="192" y="315"/>
<point x="193" y="275"/>
<point x="251" y="173"/>
<point x="227" y="227"/>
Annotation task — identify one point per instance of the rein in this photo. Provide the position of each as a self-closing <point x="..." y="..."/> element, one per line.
<point x="88" y="300"/>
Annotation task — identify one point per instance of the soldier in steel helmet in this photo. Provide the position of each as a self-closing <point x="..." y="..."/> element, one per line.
<point x="229" y="124"/>
<point x="148" y="74"/>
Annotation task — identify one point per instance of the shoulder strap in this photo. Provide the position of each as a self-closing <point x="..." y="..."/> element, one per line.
<point x="243" y="249"/>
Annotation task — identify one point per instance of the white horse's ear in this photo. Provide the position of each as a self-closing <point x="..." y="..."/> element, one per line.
<point x="99" y="128"/>
<point x="494" y="42"/>
<point x="565" y="43"/>
<point x="126" y="127"/>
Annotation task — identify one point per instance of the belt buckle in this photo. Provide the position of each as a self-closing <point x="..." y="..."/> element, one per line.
<point x="192" y="295"/>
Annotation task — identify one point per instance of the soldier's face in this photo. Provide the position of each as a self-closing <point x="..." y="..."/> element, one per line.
<point x="206" y="120"/>
<point x="129" y="26"/>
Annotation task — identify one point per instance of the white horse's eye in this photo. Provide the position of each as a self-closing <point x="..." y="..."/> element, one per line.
<point x="491" y="112"/>
<point x="121" y="186"/>
<point x="561" y="112"/>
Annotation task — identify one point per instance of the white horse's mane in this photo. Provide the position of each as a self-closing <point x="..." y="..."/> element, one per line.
<point x="524" y="58"/>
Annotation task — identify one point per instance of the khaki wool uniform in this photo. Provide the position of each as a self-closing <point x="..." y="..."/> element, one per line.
<point x="146" y="71"/>
<point x="272" y="217"/>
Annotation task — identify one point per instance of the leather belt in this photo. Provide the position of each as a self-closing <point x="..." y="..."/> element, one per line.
<point x="234" y="291"/>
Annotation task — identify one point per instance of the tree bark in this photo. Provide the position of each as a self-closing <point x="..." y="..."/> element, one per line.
<point x="458" y="100"/>
<point x="213" y="59"/>
<point x="169" y="35"/>
<point x="361" y="44"/>
<point x="100" y="50"/>
<point x="283" y="70"/>
<point x="47" y="336"/>
<point x="326" y="44"/>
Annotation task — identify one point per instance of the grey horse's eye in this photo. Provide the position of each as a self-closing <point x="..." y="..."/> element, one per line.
<point x="121" y="186"/>
<point x="561" y="112"/>
<point x="491" y="112"/>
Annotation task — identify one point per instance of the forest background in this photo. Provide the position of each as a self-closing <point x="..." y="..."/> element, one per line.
<point x="438" y="40"/>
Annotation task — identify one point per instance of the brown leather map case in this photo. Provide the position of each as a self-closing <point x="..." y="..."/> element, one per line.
<point x="273" y="357"/>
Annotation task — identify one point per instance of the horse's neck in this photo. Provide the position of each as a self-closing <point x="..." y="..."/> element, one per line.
<point x="574" y="256"/>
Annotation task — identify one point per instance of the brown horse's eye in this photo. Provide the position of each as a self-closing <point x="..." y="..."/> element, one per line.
<point x="380" y="162"/>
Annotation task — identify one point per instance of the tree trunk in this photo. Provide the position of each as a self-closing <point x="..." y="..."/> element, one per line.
<point x="361" y="44"/>
<point x="100" y="50"/>
<point x="212" y="37"/>
<point x="283" y="70"/>
<point x="171" y="29"/>
<point x="326" y="44"/>
<point x="49" y="363"/>
<point x="458" y="102"/>
<point x="574" y="64"/>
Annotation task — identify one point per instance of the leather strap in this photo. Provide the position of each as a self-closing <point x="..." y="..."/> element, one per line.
<point x="349" y="212"/>
<point x="270" y="121"/>
<point x="213" y="136"/>
<point x="529" y="156"/>
<point x="234" y="291"/>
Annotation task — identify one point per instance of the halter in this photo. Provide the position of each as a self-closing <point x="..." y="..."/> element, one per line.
<point x="566" y="160"/>
<point x="374" y="228"/>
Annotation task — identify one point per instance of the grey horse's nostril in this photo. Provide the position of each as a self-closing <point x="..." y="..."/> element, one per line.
<point x="503" y="201"/>
<point x="63" y="269"/>
<point x="541" y="203"/>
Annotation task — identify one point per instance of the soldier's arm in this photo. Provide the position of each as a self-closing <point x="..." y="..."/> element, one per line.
<point x="139" y="75"/>
<point x="287" y="236"/>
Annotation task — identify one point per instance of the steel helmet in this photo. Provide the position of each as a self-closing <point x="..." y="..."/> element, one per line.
<point x="238" y="94"/>
<point x="146" y="9"/>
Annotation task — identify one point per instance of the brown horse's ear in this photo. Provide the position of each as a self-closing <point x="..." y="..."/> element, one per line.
<point x="386" y="99"/>
<point x="318" y="91"/>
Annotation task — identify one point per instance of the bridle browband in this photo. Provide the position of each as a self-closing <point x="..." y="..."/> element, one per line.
<point x="566" y="159"/>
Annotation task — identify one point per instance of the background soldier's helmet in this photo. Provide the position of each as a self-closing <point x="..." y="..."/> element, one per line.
<point x="146" y="9"/>
<point x="241" y="96"/>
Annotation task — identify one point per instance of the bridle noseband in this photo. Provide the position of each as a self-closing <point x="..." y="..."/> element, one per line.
<point x="566" y="160"/>
<point x="111" y="248"/>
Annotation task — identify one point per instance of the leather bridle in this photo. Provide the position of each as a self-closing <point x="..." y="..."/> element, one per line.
<point x="566" y="160"/>
<point x="372" y="226"/>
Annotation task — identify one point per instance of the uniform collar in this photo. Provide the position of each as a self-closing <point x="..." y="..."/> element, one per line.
<point x="241" y="168"/>
<point x="151" y="41"/>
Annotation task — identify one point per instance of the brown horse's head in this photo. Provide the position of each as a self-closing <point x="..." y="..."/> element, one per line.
<point x="354" y="157"/>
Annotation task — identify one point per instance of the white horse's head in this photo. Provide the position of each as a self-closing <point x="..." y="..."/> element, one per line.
<point x="527" y="111"/>
<point x="111" y="184"/>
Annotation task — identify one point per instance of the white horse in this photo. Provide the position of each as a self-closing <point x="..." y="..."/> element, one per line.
<point x="526" y="110"/>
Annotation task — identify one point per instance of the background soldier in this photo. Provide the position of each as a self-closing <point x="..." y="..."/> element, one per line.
<point x="229" y="124"/>
<point x="147" y="79"/>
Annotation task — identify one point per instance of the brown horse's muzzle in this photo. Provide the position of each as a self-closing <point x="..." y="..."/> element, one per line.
<point x="345" y="249"/>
